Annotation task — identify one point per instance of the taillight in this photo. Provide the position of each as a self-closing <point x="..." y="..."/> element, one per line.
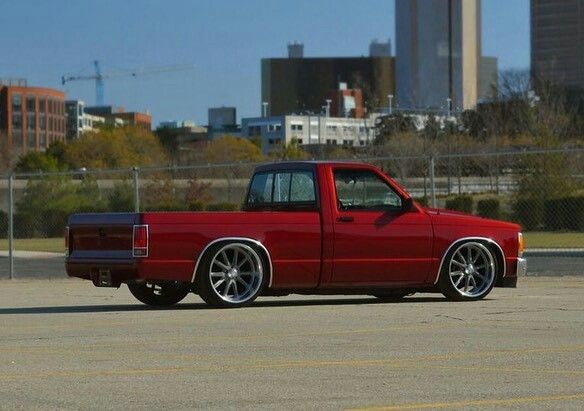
<point x="140" y="241"/>
<point x="66" y="234"/>
<point x="520" y="245"/>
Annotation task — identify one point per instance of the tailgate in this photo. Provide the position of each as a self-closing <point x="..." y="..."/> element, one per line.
<point x="104" y="235"/>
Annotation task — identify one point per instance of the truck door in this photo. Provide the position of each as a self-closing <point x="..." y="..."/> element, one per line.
<point x="376" y="240"/>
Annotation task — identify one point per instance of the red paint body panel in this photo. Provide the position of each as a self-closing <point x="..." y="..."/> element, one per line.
<point x="184" y="235"/>
<point x="308" y="249"/>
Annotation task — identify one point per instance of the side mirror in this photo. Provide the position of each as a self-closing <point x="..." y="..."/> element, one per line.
<point x="407" y="204"/>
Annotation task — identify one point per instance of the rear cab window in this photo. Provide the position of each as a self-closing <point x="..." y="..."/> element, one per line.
<point x="282" y="189"/>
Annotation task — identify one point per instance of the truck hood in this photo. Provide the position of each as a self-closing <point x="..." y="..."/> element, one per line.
<point x="441" y="216"/>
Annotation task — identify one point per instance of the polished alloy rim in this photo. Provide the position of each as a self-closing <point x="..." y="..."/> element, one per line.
<point x="472" y="269"/>
<point x="236" y="273"/>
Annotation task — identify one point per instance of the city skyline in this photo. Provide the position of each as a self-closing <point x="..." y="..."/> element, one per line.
<point x="224" y="41"/>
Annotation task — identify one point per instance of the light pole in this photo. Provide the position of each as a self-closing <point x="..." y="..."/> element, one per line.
<point x="390" y="100"/>
<point x="448" y="106"/>
<point x="328" y="107"/>
<point x="265" y="109"/>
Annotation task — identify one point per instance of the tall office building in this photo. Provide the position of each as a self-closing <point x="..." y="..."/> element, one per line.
<point x="557" y="41"/>
<point x="301" y="85"/>
<point x="438" y="51"/>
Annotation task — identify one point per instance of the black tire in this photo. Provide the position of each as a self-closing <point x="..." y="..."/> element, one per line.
<point x="216" y="296"/>
<point x="478" y="272"/>
<point x="392" y="296"/>
<point x="160" y="293"/>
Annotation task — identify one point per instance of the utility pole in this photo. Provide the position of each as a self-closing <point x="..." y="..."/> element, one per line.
<point x="390" y="101"/>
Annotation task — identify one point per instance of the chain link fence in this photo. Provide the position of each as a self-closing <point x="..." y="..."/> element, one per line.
<point x="541" y="190"/>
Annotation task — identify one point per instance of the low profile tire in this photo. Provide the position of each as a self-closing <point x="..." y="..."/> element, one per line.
<point x="468" y="272"/>
<point x="160" y="293"/>
<point x="392" y="296"/>
<point x="232" y="275"/>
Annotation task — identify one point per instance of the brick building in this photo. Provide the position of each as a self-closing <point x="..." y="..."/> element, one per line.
<point x="31" y="117"/>
<point x="115" y="115"/>
<point x="346" y="102"/>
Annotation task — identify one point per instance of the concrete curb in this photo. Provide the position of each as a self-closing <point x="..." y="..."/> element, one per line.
<point x="32" y="254"/>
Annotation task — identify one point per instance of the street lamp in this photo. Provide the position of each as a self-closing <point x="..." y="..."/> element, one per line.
<point x="265" y="109"/>
<point x="390" y="100"/>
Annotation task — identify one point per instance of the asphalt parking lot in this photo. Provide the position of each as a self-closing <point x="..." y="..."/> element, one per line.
<point x="67" y="345"/>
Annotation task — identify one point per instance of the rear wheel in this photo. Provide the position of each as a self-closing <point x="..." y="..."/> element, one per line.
<point x="232" y="275"/>
<point x="160" y="293"/>
<point x="468" y="272"/>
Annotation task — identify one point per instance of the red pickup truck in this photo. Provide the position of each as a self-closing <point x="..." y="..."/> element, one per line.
<point x="306" y="228"/>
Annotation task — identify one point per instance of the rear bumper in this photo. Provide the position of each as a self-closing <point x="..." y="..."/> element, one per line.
<point x="117" y="271"/>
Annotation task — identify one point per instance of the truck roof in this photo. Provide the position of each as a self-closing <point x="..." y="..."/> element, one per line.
<point x="306" y="164"/>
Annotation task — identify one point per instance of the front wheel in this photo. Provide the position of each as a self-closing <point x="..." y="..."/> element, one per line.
<point x="160" y="293"/>
<point x="468" y="272"/>
<point x="232" y="275"/>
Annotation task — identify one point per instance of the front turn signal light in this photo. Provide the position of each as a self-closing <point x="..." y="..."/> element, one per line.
<point x="520" y="245"/>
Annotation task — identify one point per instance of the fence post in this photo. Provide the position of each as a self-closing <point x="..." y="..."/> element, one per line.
<point x="432" y="183"/>
<point x="11" y="226"/>
<point x="136" y="173"/>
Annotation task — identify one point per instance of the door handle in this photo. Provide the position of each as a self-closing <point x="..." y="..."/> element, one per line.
<point x="345" y="219"/>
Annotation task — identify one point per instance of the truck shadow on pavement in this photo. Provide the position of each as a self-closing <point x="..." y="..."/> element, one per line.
<point x="68" y="309"/>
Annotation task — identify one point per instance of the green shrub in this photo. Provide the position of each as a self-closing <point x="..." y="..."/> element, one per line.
<point x="528" y="212"/>
<point x="26" y="226"/>
<point x="165" y="207"/>
<point x="576" y="207"/>
<point x="121" y="198"/>
<point x="423" y="201"/>
<point x="489" y="208"/>
<point x="223" y="207"/>
<point x="196" y="206"/>
<point x="566" y="213"/>
<point x="3" y="224"/>
<point x="462" y="203"/>
<point x="46" y="205"/>
<point x="554" y="214"/>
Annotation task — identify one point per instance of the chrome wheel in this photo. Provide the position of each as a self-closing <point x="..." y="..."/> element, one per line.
<point x="236" y="273"/>
<point x="471" y="270"/>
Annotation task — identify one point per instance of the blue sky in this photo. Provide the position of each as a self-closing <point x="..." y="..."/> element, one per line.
<point x="224" y="39"/>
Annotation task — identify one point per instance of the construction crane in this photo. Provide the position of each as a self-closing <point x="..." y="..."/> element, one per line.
<point x="99" y="77"/>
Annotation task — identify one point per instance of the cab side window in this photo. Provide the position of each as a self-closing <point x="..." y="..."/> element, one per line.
<point x="364" y="190"/>
<point x="285" y="188"/>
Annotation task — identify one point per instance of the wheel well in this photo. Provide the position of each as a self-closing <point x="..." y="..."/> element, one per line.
<point x="487" y="242"/>
<point x="500" y="260"/>
<point x="256" y="245"/>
